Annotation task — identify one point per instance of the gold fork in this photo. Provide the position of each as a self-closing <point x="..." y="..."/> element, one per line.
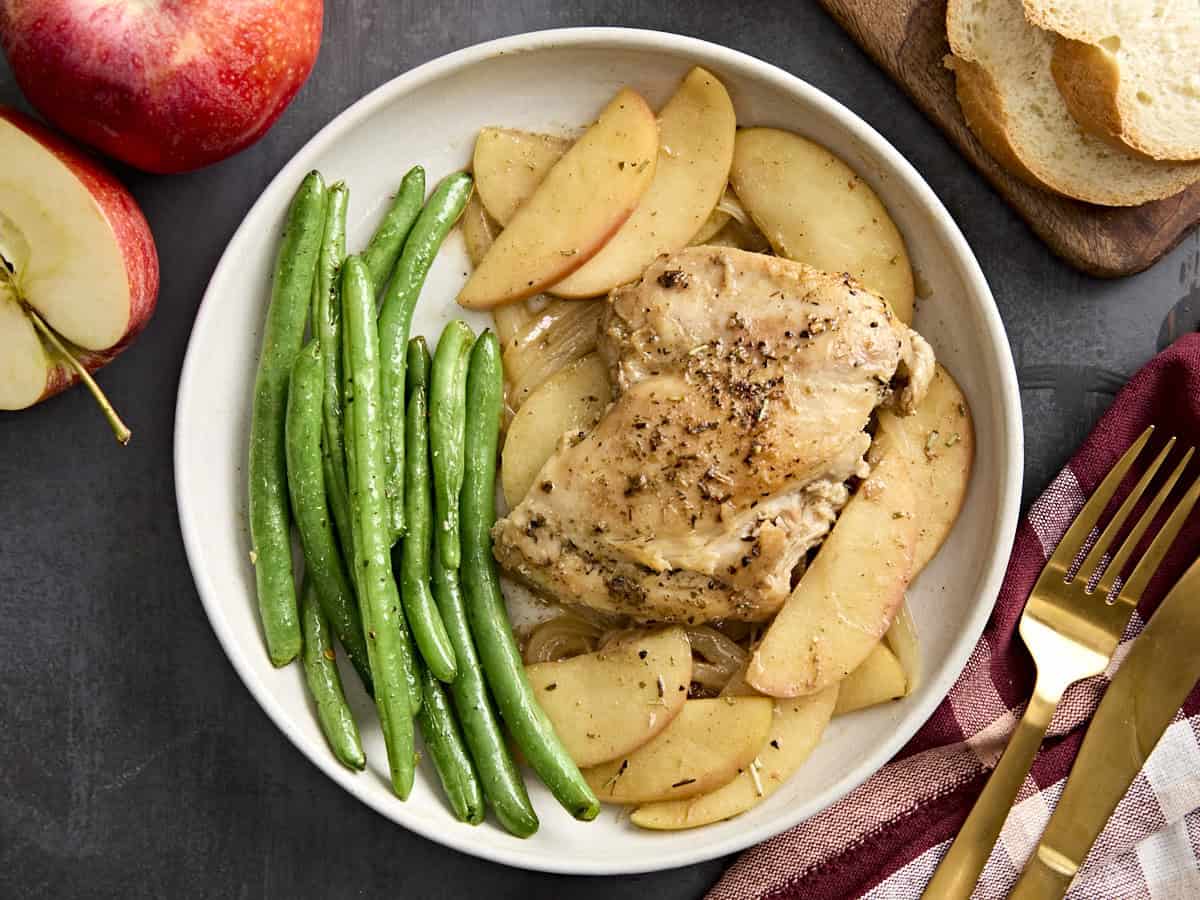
<point x="1071" y="631"/>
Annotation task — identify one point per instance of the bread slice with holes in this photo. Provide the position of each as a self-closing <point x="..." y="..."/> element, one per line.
<point x="1129" y="70"/>
<point x="1002" y="67"/>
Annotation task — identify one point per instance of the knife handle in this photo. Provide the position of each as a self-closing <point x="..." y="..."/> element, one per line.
<point x="959" y="870"/>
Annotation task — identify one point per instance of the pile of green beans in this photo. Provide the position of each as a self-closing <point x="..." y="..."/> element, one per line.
<point x="385" y="460"/>
<point x="395" y="318"/>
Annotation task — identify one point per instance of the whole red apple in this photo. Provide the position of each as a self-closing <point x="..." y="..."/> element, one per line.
<point x="78" y="266"/>
<point x="164" y="85"/>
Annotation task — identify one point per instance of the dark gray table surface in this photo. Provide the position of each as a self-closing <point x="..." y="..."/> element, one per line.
<point x="132" y="760"/>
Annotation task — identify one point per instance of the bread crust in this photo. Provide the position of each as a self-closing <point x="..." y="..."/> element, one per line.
<point x="983" y="108"/>
<point x="1089" y="78"/>
<point x="987" y="114"/>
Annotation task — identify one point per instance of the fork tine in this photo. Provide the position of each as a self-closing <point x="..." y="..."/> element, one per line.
<point x="1135" y="535"/>
<point x="1104" y="542"/>
<point x="1131" y="591"/>
<point x="1068" y="548"/>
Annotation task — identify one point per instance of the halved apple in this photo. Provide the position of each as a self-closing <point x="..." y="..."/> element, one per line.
<point x="847" y="597"/>
<point x="703" y="748"/>
<point x="573" y="398"/>
<point x="815" y="209"/>
<point x="79" y="274"/>
<point x="510" y="164"/>
<point x="696" y="138"/>
<point x="878" y="679"/>
<point x="796" y="727"/>
<point x="940" y="436"/>
<point x="609" y="703"/>
<point x="584" y="198"/>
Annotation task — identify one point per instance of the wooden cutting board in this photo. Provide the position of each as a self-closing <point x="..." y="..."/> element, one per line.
<point x="907" y="38"/>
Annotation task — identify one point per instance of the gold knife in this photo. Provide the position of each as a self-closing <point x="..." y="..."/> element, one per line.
<point x="1161" y="669"/>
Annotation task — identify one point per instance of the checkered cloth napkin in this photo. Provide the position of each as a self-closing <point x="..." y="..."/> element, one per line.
<point x="885" y="839"/>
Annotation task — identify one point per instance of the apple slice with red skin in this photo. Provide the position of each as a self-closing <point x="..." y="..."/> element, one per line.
<point x="510" y="164"/>
<point x="581" y="203"/>
<point x="79" y="275"/>
<point x="165" y="87"/>
<point x="848" y="596"/>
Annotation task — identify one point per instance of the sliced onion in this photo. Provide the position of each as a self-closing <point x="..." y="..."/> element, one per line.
<point x="561" y="638"/>
<point x="716" y="648"/>
<point x="563" y="332"/>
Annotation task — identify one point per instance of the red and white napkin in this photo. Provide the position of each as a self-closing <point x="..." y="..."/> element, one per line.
<point x="885" y="839"/>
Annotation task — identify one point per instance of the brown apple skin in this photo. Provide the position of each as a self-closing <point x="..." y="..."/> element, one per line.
<point x="165" y="87"/>
<point x="129" y="228"/>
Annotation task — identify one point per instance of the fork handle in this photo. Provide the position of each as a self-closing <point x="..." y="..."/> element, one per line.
<point x="959" y="870"/>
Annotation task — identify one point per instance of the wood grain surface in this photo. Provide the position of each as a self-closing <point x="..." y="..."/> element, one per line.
<point x="907" y="38"/>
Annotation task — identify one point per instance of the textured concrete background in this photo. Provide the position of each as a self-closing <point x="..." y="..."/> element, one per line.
<point x="132" y="760"/>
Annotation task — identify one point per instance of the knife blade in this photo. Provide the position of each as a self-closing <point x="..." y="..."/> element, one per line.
<point x="1148" y="689"/>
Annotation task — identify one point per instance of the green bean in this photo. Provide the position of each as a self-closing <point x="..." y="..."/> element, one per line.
<point x="444" y="742"/>
<point x="327" y="326"/>
<point x="383" y="619"/>
<point x="395" y="319"/>
<point x="405" y="648"/>
<point x="340" y="509"/>
<point x="324" y="683"/>
<point x="419" y="608"/>
<point x="306" y="484"/>
<point x="384" y="247"/>
<point x="498" y="774"/>
<point x="270" y="531"/>
<point x="502" y="665"/>
<point x="418" y="365"/>
<point x="447" y="427"/>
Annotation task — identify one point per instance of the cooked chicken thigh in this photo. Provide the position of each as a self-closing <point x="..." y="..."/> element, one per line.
<point x="743" y="386"/>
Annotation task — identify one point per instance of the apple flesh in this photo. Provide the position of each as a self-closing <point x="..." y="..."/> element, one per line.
<point x="697" y="128"/>
<point x="878" y="679"/>
<point x="584" y="198"/>
<point x="796" y="727"/>
<point x="80" y="269"/>
<point x="165" y="87"/>
<point x="571" y="400"/>
<point x="942" y="428"/>
<point x="510" y="164"/>
<point x="703" y="747"/>
<point x="608" y="703"/>
<point x="815" y="209"/>
<point x="848" y="596"/>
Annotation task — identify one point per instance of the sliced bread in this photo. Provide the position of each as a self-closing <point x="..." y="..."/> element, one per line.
<point x="1008" y="95"/>
<point x="1129" y="70"/>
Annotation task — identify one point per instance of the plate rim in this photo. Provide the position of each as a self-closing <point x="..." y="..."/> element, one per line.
<point x="1011" y="454"/>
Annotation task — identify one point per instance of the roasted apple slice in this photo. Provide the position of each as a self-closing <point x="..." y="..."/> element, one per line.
<point x="815" y="209"/>
<point x="573" y="398"/>
<point x="696" y="137"/>
<point x="608" y="703"/>
<point x="878" y="679"/>
<point x="796" y="726"/>
<point x="847" y="598"/>
<point x="510" y="164"/>
<point x="702" y="749"/>
<point x="584" y="198"/>
<point x="942" y="428"/>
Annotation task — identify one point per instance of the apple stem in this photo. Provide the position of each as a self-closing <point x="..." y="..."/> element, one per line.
<point x="120" y="429"/>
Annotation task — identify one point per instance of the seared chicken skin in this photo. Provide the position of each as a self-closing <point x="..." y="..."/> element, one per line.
<point x="743" y="386"/>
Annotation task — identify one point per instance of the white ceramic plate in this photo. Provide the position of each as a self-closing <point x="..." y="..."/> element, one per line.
<point x="556" y="80"/>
